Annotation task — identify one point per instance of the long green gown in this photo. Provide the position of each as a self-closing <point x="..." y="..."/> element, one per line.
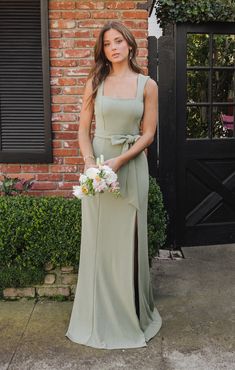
<point x="104" y="311"/>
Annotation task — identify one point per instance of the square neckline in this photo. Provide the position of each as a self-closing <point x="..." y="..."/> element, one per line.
<point x="116" y="98"/>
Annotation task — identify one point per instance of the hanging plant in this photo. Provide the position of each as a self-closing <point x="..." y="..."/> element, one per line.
<point x="195" y="11"/>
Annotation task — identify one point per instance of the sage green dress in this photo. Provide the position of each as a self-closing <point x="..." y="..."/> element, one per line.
<point x="104" y="310"/>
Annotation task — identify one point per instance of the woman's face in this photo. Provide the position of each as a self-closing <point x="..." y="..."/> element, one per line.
<point x="115" y="46"/>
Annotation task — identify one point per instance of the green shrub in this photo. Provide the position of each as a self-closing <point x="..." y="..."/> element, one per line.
<point x="169" y="11"/>
<point x="157" y="219"/>
<point x="36" y="230"/>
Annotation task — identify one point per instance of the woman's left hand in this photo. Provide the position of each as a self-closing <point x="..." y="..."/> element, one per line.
<point x="114" y="163"/>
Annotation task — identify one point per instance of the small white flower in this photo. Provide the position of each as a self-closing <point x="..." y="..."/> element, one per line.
<point x="82" y="178"/>
<point x="77" y="192"/>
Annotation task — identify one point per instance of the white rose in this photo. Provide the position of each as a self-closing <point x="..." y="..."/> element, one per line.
<point x="111" y="177"/>
<point x="91" y="172"/>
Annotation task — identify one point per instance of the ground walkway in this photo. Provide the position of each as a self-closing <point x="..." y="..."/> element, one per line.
<point x="195" y="296"/>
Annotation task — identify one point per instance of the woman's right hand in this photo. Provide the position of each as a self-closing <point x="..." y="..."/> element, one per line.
<point x="89" y="163"/>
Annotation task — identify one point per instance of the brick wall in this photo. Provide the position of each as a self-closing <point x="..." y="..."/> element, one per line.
<point x="74" y="26"/>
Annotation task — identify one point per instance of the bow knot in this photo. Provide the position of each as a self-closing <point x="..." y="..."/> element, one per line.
<point x="128" y="173"/>
<point x="126" y="140"/>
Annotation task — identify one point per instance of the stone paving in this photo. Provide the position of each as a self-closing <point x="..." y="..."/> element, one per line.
<point x="195" y="296"/>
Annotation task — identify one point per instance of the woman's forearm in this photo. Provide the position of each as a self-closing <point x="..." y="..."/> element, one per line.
<point x="142" y="143"/>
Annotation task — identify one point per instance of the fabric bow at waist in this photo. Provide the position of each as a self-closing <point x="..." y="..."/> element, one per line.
<point x="127" y="175"/>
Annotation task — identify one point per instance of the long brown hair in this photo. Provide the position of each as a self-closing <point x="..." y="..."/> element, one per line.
<point x="102" y="65"/>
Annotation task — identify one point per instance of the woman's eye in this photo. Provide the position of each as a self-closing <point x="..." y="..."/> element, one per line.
<point x="119" y="41"/>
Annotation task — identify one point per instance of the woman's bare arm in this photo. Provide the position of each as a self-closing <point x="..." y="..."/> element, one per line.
<point x="86" y="116"/>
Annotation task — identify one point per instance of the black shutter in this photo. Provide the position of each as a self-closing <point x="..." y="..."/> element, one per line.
<point x="25" y="118"/>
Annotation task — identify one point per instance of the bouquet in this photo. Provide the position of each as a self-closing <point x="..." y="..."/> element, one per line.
<point x="97" y="180"/>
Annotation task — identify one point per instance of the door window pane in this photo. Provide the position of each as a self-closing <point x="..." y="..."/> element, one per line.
<point x="223" y="83"/>
<point x="197" y="49"/>
<point x="223" y="50"/>
<point x="197" y="86"/>
<point x="222" y="121"/>
<point x="197" y="122"/>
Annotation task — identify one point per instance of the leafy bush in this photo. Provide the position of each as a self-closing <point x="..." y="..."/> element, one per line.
<point x="37" y="230"/>
<point x="172" y="11"/>
<point x="157" y="219"/>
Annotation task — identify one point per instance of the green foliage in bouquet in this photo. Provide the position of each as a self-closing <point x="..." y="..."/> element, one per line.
<point x="195" y="11"/>
<point x="36" y="230"/>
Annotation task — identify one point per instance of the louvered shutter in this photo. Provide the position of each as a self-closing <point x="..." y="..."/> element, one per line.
<point x="25" y="119"/>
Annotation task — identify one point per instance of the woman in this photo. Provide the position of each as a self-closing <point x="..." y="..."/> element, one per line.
<point x="113" y="306"/>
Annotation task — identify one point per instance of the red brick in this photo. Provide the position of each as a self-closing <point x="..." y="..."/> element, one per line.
<point x="138" y="14"/>
<point x="90" y="4"/>
<point x="54" y="15"/>
<point x="71" y="144"/>
<point x="55" y="4"/>
<point x="66" y="135"/>
<point x="77" y="160"/>
<point x="71" y="177"/>
<point x="14" y="168"/>
<point x="49" y="177"/>
<point x="55" y="90"/>
<point x="76" y="15"/>
<point x="86" y="62"/>
<point x="55" y="54"/>
<point x="46" y="185"/>
<point x="67" y="81"/>
<point x="55" y="34"/>
<point x="142" y="43"/>
<point x="56" y="143"/>
<point x="120" y="4"/>
<point x="84" y="43"/>
<point x="65" y="152"/>
<point x="73" y="90"/>
<point x="64" y="99"/>
<point x="55" y="44"/>
<point x="106" y="15"/>
<point x="67" y="169"/>
<point x="63" y="63"/>
<point x="82" y="34"/>
<point x="65" y="117"/>
<point x="35" y="168"/>
<point x="142" y="52"/>
<point x="76" y="71"/>
<point x="140" y="34"/>
<point x="56" y="72"/>
<point x="56" y="108"/>
<point x="58" y="160"/>
<point x="67" y="185"/>
<point x="78" y="53"/>
<point x="90" y="23"/>
<point x="72" y="108"/>
<point x="62" y="24"/>
<point x="67" y="126"/>
<point x="136" y="24"/>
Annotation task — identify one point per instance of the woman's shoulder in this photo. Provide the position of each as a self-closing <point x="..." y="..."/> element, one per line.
<point x="148" y="82"/>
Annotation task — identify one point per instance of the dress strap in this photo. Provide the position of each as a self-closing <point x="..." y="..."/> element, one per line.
<point x="141" y="84"/>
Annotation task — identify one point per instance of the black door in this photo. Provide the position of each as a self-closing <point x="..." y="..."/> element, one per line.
<point x="205" y="134"/>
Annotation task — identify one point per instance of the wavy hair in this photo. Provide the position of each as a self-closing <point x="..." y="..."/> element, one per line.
<point x="102" y="65"/>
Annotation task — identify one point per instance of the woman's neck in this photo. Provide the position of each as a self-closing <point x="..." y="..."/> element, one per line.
<point x="120" y="70"/>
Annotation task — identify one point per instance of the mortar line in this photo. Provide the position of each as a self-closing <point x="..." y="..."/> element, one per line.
<point x="22" y="335"/>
